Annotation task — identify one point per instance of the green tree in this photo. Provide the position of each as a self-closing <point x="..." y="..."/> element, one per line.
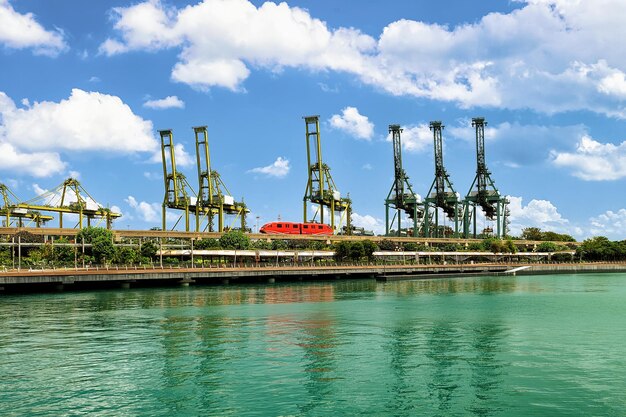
<point x="532" y="233"/>
<point x="342" y="250"/>
<point x="280" y="244"/>
<point x="369" y="248"/>
<point x="234" y="239"/>
<point x="126" y="255"/>
<point x="101" y="241"/>
<point x="207" y="243"/>
<point x="357" y="251"/>
<point x="547" y="247"/>
<point x="149" y="250"/>
<point x="261" y="244"/>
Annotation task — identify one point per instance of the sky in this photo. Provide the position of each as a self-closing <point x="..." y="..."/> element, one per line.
<point x="85" y="87"/>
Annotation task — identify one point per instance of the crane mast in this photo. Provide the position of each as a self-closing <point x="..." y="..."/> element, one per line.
<point x="441" y="194"/>
<point x="483" y="192"/>
<point x="399" y="200"/>
<point x="320" y="188"/>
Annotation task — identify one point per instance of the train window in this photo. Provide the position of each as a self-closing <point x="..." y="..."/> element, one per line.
<point x="295" y="226"/>
<point x="279" y="226"/>
<point x="305" y="226"/>
<point x="319" y="227"/>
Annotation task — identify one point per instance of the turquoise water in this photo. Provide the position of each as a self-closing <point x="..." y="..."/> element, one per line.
<point x="519" y="346"/>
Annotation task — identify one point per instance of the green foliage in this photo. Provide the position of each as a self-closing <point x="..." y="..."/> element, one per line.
<point x="101" y="241"/>
<point x="531" y="233"/>
<point x="510" y="246"/>
<point x="499" y="246"/>
<point x="261" y="244"/>
<point x="535" y="233"/>
<point x="126" y="255"/>
<point x="475" y="246"/>
<point x="280" y="245"/>
<point x="547" y="247"/>
<point x="234" y="239"/>
<point x="148" y="250"/>
<point x="207" y="243"/>
<point x="387" y="245"/>
<point x="342" y="250"/>
<point x="357" y="251"/>
<point x="319" y="245"/>
<point x="601" y="249"/>
<point x="369" y="248"/>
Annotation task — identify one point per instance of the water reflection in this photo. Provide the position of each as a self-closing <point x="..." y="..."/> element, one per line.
<point x="486" y="367"/>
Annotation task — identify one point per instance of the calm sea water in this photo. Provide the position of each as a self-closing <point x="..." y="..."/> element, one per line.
<point x="519" y="346"/>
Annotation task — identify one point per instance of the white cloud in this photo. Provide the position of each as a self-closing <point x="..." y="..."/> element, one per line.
<point x="368" y="222"/>
<point x="528" y="58"/>
<point x="537" y="213"/>
<point x="278" y="169"/>
<point x="610" y="224"/>
<point x="594" y="161"/>
<point x="74" y="174"/>
<point x="168" y="102"/>
<point x="148" y="212"/>
<point x="86" y="121"/>
<point x="415" y="139"/>
<point x="367" y="167"/>
<point x="353" y="123"/>
<point x="31" y="138"/>
<point x="20" y="31"/>
<point x="183" y="158"/>
<point x="37" y="164"/>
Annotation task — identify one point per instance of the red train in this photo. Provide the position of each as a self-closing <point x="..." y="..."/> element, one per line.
<point x="291" y="228"/>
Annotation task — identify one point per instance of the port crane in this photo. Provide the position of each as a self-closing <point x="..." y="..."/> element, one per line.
<point x="320" y="186"/>
<point x="441" y="194"/>
<point x="70" y="197"/>
<point x="483" y="193"/>
<point x="401" y="197"/>
<point x="213" y="195"/>
<point x="10" y="211"/>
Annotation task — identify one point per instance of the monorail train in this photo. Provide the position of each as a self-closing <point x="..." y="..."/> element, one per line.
<point x="291" y="228"/>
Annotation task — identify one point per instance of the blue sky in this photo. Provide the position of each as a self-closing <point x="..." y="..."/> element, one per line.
<point x="85" y="86"/>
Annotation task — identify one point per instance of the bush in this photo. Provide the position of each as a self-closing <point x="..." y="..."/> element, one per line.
<point x="547" y="247"/>
<point x="234" y="239"/>
<point x="357" y="251"/>
<point x="207" y="243"/>
<point x="369" y="248"/>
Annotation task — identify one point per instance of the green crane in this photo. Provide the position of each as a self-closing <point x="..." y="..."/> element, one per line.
<point x="401" y="197"/>
<point x="320" y="187"/>
<point x="483" y="193"/>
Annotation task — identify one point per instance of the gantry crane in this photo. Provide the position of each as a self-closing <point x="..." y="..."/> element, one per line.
<point x="213" y="195"/>
<point x="70" y="198"/>
<point x="444" y="196"/>
<point x="483" y="192"/>
<point x="9" y="211"/>
<point x="320" y="187"/>
<point x="178" y="193"/>
<point x="401" y="197"/>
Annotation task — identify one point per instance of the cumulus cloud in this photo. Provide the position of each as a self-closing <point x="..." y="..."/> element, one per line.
<point x="528" y="58"/>
<point x="594" y="161"/>
<point x="353" y="123"/>
<point x="609" y="224"/>
<point x="21" y="31"/>
<point x="183" y="158"/>
<point x="33" y="137"/>
<point x="369" y="222"/>
<point x="537" y="213"/>
<point x="147" y="212"/>
<point x="415" y="139"/>
<point x="169" y="102"/>
<point x="278" y="169"/>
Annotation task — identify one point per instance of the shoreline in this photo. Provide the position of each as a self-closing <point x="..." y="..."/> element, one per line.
<point x="32" y="281"/>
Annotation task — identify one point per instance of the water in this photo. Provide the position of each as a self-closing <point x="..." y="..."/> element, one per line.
<point x="519" y="346"/>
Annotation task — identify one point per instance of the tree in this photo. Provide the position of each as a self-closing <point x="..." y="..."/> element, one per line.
<point x="547" y="247"/>
<point x="101" y="241"/>
<point x="234" y="239"/>
<point x="342" y="250"/>
<point x="280" y="244"/>
<point x="532" y="233"/>
<point x="369" y="248"/>
<point x="126" y="255"/>
<point x="357" y="251"/>
<point x="207" y="243"/>
<point x="148" y="250"/>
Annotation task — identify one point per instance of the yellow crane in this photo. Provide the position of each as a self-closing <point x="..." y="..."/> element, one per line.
<point x="9" y="211"/>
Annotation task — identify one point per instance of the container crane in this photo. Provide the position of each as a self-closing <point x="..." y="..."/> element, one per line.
<point x="483" y="193"/>
<point x="401" y="197"/>
<point x="9" y="211"/>
<point x="441" y="194"/>
<point x="320" y="187"/>
<point x="70" y="198"/>
<point x="213" y="195"/>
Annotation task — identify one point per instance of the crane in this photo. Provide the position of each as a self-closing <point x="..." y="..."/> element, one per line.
<point x="441" y="194"/>
<point x="401" y="197"/>
<point x="320" y="186"/>
<point x="483" y="193"/>
<point x="9" y="210"/>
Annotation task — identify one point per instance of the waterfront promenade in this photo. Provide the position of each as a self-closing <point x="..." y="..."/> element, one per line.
<point x="125" y="277"/>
